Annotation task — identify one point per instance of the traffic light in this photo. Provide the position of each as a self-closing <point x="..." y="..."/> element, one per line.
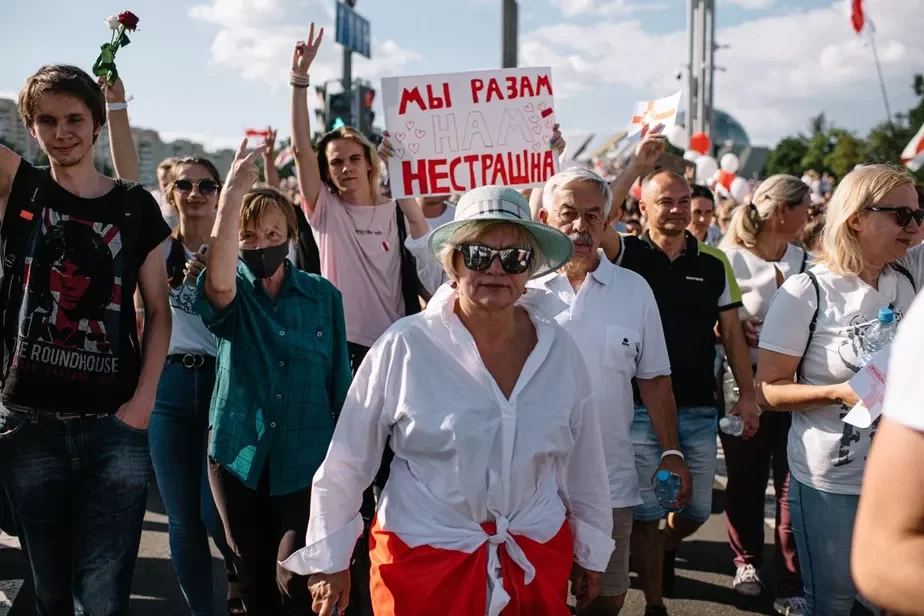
<point x="365" y="96"/>
<point x="339" y="111"/>
<point x="321" y="110"/>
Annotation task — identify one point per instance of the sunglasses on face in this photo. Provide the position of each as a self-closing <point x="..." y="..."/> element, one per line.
<point x="903" y="215"/>
<point x="478" y="258"/>
<point x="205" y="187"/>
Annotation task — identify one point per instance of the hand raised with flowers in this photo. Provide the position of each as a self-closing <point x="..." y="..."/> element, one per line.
<point x="305" y="52"/>
<point x="115" y="92"/>
<point x="105" y="62"/>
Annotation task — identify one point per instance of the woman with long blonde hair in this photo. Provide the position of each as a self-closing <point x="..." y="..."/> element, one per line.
<point x="759" y="246"/>
<point x="812" y="343"/>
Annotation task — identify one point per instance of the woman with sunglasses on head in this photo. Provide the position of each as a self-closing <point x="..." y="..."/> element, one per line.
<point x="759" y="248"/>
<point x="499" y="483"/>
<point x="812" y="343"/>
<point x="179" y="424"/>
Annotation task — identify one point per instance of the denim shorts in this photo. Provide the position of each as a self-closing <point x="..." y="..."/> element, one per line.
<point x="697" y="429"/>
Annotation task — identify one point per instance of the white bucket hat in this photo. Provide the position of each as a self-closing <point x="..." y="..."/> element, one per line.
<point x="502" y="204"/>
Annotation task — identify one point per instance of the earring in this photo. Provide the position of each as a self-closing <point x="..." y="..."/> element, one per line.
<point x="454" y="284"/>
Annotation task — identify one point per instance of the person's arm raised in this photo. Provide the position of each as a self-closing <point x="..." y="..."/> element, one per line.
<point x="306" y="159"/>
<point x="270" y="173"/>
<point x="646" y="155"/>
<point x="121" y="144"/>
<point x="221" y="274"/>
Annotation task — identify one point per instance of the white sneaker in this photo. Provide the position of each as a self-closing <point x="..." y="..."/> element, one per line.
<point x="747" y="581"/>
<point x="790" y="606"/>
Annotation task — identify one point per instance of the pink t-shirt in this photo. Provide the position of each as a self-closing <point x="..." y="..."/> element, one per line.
<point x="361" y="256"/>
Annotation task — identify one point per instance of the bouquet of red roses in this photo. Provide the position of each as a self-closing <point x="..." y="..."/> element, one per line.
<point x="105" y="63"/>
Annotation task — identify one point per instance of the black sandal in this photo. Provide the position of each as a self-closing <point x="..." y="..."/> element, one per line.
<point x="235" y="600"/>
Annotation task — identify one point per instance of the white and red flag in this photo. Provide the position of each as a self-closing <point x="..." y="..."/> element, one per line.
<point x="913" y="155"/>
<point x="859" y="20"/>
<point x="657" y="116"/>
<point x="285" y="158"/>
<point x="253" y="132"/>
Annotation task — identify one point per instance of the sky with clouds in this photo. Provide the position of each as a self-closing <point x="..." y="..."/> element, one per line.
<point x="208" y="69"/>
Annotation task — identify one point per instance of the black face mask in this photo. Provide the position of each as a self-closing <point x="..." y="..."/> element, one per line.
<point x="263" y="262"/>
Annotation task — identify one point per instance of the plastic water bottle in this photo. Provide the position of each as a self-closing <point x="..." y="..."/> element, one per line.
<point x="732" y="425"/>
<point x="667" y="489"/>
<point x="879" y="335"/>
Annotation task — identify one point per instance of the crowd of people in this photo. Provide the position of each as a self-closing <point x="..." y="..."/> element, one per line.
<point x="446" y="404"/>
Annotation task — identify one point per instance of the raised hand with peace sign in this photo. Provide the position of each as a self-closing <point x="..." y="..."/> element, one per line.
<point x="305" y="51"/>
<point x="244" y="171"/>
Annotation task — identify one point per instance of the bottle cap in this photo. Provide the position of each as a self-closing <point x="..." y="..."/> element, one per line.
<point x="663" y="475"/>
<point x="886" y="315"/>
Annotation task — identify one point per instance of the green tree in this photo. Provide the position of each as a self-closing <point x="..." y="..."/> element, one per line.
<point x="847" y="153"/>
<point x="819" y="147"/>
<point x="787" y="157"/>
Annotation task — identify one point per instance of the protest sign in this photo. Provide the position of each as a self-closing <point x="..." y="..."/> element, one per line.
<point x="869" y="383"/>
<point x="657" y="116"/>
<point x="454" y="132"/>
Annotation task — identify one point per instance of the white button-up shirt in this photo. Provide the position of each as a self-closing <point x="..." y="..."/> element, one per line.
<point x="615" y="322"/>
<point x="464" y="453"/>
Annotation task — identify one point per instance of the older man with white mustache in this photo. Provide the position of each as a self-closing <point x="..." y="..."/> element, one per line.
<point x="612" y="314"/>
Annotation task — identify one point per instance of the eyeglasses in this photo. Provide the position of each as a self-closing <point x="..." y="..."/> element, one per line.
<point x="478" y="258"/>
<point x="206" y="187"/>
<point x="903" y="215"/>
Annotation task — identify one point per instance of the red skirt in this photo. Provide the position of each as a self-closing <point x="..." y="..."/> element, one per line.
<point x="423" y="581"/>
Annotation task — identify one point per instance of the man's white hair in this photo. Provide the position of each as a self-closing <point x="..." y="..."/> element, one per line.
<point x="571" y="175"/>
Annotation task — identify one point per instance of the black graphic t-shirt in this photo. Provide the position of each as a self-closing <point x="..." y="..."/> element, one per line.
<point x="75" y="348"/>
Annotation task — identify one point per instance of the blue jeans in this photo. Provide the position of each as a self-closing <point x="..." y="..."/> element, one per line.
<point x="823" y="525"/>
<point x="696" y="431"/>
<point x="179" y="434"/>
<point x="78" y="489"/>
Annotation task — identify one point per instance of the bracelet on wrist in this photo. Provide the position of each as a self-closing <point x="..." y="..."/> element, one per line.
<point x="672" y="452"/>
<point x="299" y="81"/>
<point x="116" y="106"/>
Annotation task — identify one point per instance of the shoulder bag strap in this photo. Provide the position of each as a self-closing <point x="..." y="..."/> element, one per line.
<point x="813" y="323"/>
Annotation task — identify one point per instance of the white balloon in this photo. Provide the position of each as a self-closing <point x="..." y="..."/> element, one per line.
<point x="740" y="189"/>
<point x="730" y="163"/>
<point x="705" y="169"/>
<point x="691" y="155"/>
<point x="678" y="137"/>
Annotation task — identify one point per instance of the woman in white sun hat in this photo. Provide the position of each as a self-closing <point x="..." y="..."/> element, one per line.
<point x="498" y="491"/>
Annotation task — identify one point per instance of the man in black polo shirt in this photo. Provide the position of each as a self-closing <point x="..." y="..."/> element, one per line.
<point x="694" y="288"/>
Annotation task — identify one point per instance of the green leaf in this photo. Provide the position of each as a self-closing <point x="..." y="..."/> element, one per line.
<point x="123" y="40"/>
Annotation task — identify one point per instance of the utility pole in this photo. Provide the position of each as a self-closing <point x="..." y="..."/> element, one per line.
<point x="701" y="48"/>
<point x="348" y="66"/>
<point x="510" y="17"/>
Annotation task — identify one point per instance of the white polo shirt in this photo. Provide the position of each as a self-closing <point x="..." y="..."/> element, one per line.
<point x="615" y="322"/>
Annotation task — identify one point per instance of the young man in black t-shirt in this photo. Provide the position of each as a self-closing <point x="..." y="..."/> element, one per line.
<point x="77" y="390"/>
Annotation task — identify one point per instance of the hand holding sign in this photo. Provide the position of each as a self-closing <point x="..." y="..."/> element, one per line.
<point x="648" y="152"/>
<point x="305" y="52"/>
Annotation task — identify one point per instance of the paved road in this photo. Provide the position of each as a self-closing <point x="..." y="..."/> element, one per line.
<point x="703" y="588"/>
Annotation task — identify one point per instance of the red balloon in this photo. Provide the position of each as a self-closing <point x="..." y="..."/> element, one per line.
<point x="725" y="178"/>
<point x="699" y="142"/>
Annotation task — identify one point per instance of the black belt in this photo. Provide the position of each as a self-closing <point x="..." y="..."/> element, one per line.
<point x="190" y="360"/>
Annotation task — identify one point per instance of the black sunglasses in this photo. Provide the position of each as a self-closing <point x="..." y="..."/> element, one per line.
<point x="478" y="258"/>
<point x="206" y="187"/>
<point x="903" y="215"/>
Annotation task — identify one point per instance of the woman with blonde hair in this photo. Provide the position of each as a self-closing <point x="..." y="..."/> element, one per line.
<point x="812" y="343"/>
<point x="498" y="491"/>
<point x="759" y="248"/>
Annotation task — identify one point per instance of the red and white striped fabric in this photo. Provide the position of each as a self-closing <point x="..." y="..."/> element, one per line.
<point x="859" y="20"/>
<point x="913" y="155"/>
<point x="285" y="158"/>
<point x="252" y="132"/>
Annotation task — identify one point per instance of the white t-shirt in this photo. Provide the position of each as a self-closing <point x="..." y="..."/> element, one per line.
<point x="615" y="322"/>
<point x="442" y="219"/>
<point x="903" y="389"/>
<point x="824" y="452"/>
<point x="360" y="255"/>
<point x="757" y="279"/>
<point x="189" y="333"/>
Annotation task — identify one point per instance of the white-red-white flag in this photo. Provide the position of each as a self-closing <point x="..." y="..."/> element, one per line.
<point x="913" y="156"/>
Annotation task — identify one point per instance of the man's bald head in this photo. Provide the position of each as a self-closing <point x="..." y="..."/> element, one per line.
<point x="666" y="201"/>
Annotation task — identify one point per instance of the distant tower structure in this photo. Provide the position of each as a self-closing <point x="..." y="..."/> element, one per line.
<point x="701" y="67"/>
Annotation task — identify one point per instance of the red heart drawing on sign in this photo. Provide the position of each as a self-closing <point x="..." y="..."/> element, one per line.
<point x="536" y="146"/>
<point x="400" y="152"/>
<point x="528" y="107"/>
<point x="420" y="133"/>
<point x="535" y="129"/>
<point x="533" y="119"/>
<point x="542" y="106"/>
<point x="413" y="148"/>
<point x="399" y="137"/>
<point x="409" y="124"/>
